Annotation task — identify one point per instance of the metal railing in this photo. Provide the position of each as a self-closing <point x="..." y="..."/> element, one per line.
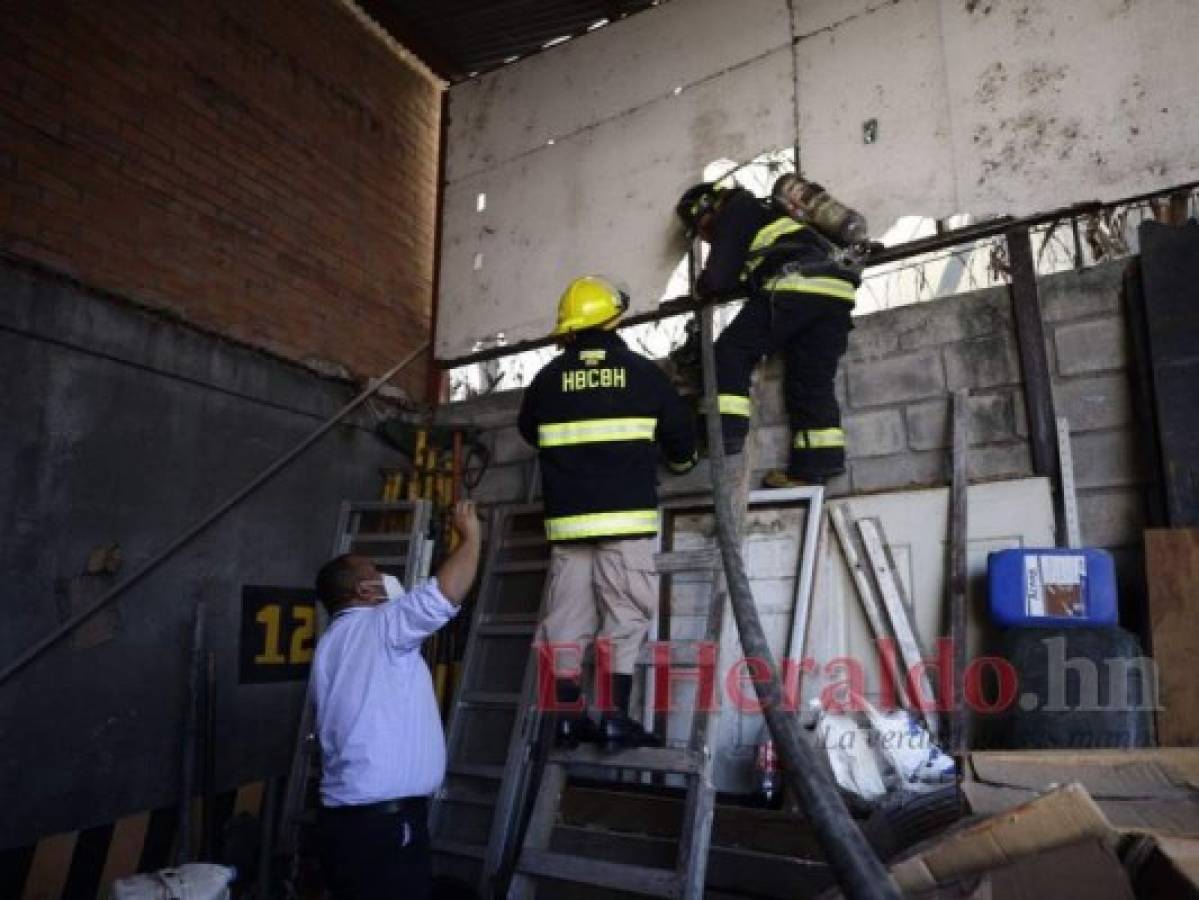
<point x="956" y="261"/>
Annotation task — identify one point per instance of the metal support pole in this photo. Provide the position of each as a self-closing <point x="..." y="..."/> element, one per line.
<point x="191" y="731"/>
<point x="1034" y="364"/>
<point x="205" y="523"/>
<point x="858" y="870"/>
<point x="959" y="738"/>
<point x="1034" y="361"/>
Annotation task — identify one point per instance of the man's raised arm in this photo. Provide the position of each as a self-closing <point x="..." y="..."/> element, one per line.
<point x="457" y="573"/>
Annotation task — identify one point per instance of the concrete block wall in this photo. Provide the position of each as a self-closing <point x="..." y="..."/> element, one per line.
<point x="895" y="386"/>
<point x="265" y="170"/>
<point x="1087" y="337"/>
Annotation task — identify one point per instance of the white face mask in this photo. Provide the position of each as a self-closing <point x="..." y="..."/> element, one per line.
<point x="392" y="587"/>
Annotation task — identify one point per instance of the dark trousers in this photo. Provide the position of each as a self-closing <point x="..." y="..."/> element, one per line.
<point x="372" y="853"/>
<point x="812" y="332"/>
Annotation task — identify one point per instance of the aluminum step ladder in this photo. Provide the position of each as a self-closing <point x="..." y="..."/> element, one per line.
<point x="394" y="535"/>
<point x="694" y="762"/>
<point x="535" y="859"/>
<point x="489" y="699"/>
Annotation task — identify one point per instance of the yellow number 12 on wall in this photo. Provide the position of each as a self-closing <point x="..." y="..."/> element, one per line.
<point x="303" y="630"/>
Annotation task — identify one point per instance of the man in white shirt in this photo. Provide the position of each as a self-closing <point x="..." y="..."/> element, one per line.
<point x="382" y="743"/>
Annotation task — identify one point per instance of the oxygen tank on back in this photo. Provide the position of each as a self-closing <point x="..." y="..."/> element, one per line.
<point x="809" y="202"/>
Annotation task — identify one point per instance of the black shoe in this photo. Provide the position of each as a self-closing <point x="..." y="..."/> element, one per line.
<point x="570" y="731"/>
<point x="619" y="732"/>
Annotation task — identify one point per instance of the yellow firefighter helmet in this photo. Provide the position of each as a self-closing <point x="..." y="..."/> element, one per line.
<point x="590" y="302"/>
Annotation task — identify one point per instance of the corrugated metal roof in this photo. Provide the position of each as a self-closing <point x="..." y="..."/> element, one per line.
<point x="461" y="38"/>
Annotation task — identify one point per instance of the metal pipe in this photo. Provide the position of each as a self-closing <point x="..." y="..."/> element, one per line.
<point x="857" y="868"/>
<point x="264" y="883"/>
<point x="207" y="521"/>
<point x="187" y="769"/>
<point x="208" y="837"/>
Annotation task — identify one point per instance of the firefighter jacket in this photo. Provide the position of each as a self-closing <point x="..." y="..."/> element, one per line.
<point x="756" y="248"/>
<point x="597" y="415"/>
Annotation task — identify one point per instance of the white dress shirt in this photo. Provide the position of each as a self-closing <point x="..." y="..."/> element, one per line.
<point x="377" y="718"/>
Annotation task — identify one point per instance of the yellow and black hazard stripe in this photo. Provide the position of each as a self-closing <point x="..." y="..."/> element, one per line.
<point x="85" y="863"/>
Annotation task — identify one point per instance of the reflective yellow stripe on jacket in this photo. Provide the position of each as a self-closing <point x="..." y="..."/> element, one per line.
<point x="605" y="524"/>
<point x="733" y="405"/>
<point x="772" y="232"/>
<point x="595" y="431"/>
<point x="820" y="284"/>
<point x="817" y="438"/>
<point x="764" y="238"/>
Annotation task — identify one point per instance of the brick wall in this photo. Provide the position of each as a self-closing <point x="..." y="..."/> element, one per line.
<point x="264" y="170"/>
<point x="895" y="386"/>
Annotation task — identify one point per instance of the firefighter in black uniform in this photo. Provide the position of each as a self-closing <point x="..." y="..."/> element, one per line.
<point x="800" y="299"/>
<point x="598" y="415"/>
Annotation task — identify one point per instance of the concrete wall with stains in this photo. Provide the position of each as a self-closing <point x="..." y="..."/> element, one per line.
<point x="983" y="106"/>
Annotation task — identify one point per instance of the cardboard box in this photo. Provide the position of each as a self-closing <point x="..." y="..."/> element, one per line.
<point x="1059" y="818"/>
<point x="1152" y="791"/>
<point x="1113" y="807"/>
<point x="1089" y="869"/>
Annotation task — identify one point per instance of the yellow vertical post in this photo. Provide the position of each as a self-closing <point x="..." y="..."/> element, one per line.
<point x="418" y="462"/>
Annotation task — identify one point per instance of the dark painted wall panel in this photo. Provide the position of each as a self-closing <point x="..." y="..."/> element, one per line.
<point x="1170" y="269"/>
<point x="95" y="450"/>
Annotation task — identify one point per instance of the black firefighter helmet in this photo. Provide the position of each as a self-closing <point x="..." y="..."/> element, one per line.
<point x="695" y="203"/>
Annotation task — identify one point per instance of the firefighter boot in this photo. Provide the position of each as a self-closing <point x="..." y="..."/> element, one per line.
<point x="571" y="728"/>
<point x="616" y="730"/>
<point x="687" y="364"/>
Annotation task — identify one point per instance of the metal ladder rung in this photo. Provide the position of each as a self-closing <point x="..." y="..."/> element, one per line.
<point x="390" y="560"/>
<point x="455" y="793"/>
<point x="644" y="880"/>
<point x="505" y="629"/>
<point x="476" y="770"/>
<point x="646" y="759"/>
<point x="381" y="537"/>
<point x="519" y="568"/>
<point x="509" y="618"/>
<point x="529" y="540"/>
<point x="459" y="848"/>
<point x="490" y="698"/>
<point x="674" y="561"/>
<point x="682" y="653"/>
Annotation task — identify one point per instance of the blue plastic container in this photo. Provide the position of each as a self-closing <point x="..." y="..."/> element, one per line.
<point x="1033" y="588"/>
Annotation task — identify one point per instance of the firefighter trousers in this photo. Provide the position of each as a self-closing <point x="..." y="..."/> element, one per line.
<point x="812" y="332"/>
<point x="607" y="589"/>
